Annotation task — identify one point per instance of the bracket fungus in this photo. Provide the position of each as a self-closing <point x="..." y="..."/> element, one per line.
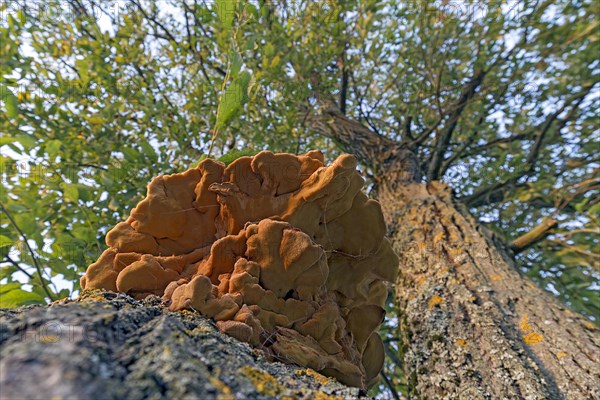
<point x="280" y="250"/>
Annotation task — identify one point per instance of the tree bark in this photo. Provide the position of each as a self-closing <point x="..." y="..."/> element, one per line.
<point x="109" y="346"/>
<point x="471" y="326"/>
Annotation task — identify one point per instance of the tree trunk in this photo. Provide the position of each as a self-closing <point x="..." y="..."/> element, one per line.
<point x="470" y="325"/>
<point x="109" y="346"/>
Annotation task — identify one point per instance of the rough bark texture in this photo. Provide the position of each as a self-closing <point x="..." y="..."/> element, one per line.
<point x="471" y="326"/>
<point x="109" y="346"/>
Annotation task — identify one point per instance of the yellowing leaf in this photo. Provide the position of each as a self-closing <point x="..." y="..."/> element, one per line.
<point x="275" y="61"/>
<point x="96" y="120"/>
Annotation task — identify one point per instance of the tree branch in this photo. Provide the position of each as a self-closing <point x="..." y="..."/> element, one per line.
<point x="31" y="252"/>
<point x="390" y="386"/>
<point x="17" y="266"/>
<point x="530" y="238"/>
<point x="394" y="163"/>
<point x="489" y="194"/>
<point x="545" y="127"/>
<point x="370" y="148"/>
<point x="493" y="193"/>
<point x="344" y="81"/>
<point x="442" y="140"/>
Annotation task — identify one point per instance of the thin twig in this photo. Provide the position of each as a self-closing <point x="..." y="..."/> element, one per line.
<point x="390" y="386"/>
<point x="17" y="266"/>
<point x="33" y="257"/>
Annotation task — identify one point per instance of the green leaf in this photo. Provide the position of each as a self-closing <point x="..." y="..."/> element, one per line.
<point x="17" y="208"/>
<point x="21" y="16"/>
<point x="594" y="210"/>
<point x="7" y="287"/>
<point x="60" y="267"/>
<point x="27" y="141"/>
<point x="233" y="155"/>
<point x="236" y="63"/>
<point x="70" y="191"/>
<point x="5" y="139"/>
<point x="7" y="271"/>
<point x="131" y="155"/>
<point x="234" y="97"/>
<point x="53" y="148"/>
<point x="10" y="101"/>
<point x="149" y="151"/>
<point x="19" y="297"/>
<point x="11" y="22"/>
<point x="226" y="11"/>
<point x="5" y="241"/>
<point x="4" y="250"/>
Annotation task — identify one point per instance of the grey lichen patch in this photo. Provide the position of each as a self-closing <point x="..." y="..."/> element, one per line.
<point x="264" y="382"/>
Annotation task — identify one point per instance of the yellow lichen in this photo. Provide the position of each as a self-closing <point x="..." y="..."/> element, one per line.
<point x="496" y="278"/>
<point x="198" y="330"/>
<point x="91" y="295"/>
<point x="561" y="354"/>
<point x="49" y="339"/>
<point x="461" y="342"/>
<point x="225" y="391"/>
<point x="533" y="338"/>
<point x="440" y="236"/>
<point x="420" y="280"/>
<point x="325" y="396"/>
<point x="588" y="325"/>
<point x="264" y="382"/>
<point x="524" y="324"/>
<point x="323" y="380"/>
<point x="434" y="301"/>
<point x="455" y="251"/>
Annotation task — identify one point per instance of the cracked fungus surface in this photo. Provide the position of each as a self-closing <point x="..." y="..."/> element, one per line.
<point x="281" y="251"/>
